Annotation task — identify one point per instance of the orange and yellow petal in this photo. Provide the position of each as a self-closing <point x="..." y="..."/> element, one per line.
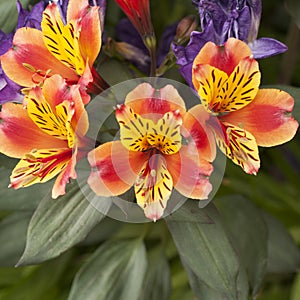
<point x="19" y="135"/>
<point x="267" y="117"/>
<point x="29" y="62"/>
<point x="114" y="168"/>
<point x="59" y="187"/>
<point x="241" y="87"/>
<point x="198" y="133"/>
<point x="165" y="135"/>
<point x="153" y="187"/>
<point x="133" y="129"/>
<point x="240" y="146"/>
<point x="225" y="57"/>
<point x="208" y="82"/>
<point x="61" y="40"/>
<point x="146" y="100"/>
<point x="39" y="166"/>
<point x="57" y="125"/>
<point x="190" y="173"/>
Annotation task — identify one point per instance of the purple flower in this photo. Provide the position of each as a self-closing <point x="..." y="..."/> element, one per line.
<point x="220" y="20"/>
<point x="127" y="33"/>
<point x="9" y="90"/>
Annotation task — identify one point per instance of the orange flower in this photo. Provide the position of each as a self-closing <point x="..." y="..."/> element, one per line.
<point x="63" y="49"/>
<point x="227" y="80"/>
<point x="150" y="155"/>
<point x="48" y="134"/>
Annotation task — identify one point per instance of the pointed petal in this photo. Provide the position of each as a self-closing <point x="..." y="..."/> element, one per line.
<point x="114" y="168"/>
<point x="208" y="82"/>
<point x="267" y="117"/>
<point x="19" y="135"/>
<point x="241" y="86"/>
<point x="240" y="147"/>
<point x="59" y="187"/>
<point x="165" y="135"/>
<point x="153" y="187"/>
<point x="190" y="173"/>
<point x="29" y="62"/>
<point x="144" y="99"/>
<point x="39" y="166"/>
<point x="226" y="57"/>
<point x="266" y="47"/>
<point x="62" y="41"/>
<point x="133" y="128"/>
<point x="198" y="133"/>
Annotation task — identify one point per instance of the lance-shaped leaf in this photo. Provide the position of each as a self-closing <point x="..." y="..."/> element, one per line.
<point x="13" y="237"/>
<point x="249" y="235"/>
<point x="59" y="224"/>
<point x="115" y="271"/>
<point x="157" y="282"/>
<point x="205" y="292"/>
<point x="283" y="253"/>
<point x="207" y="251"/>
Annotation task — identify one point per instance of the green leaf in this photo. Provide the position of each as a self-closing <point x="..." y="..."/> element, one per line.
<point x="59" y="224"/>
<point x="21" y="199"/>
<point x="283" y="253"/>
<point x="207" y="251"/>
<point x="293" y="7"/>
<point x="205" y="292"/>
<point x="13" y="237"/>
<point x="9" y="14"/>
<point x="115" y="271"/>
<point x="248" y="233"/>
<point x="296" y="288"/>
<point x="157" y="282"/>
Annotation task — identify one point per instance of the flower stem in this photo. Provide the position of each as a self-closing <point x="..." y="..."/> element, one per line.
<point x="153" y="62"/>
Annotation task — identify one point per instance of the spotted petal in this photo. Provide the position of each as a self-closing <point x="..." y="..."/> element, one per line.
<point x="153" y="187"/>
<point x="165" y="135"/>
<point x="240" y="147"/>
<point x="39" y="166"/>
<point x="58" y="125"/>
<point x="62" y="40"/>
<point x="133" y="129"/>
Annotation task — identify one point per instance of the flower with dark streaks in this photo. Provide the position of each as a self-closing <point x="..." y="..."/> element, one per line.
<point x="221" y="20"/>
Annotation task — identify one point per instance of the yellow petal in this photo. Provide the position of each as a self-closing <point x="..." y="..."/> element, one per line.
<point x="240" y="146"/>
<point x="39" y="166"/>
<point x="62" y="40"/>
<point x="241" y="87"/>
<point x="153" y="187"/>
<point x="133" y="129"/>
<point x="165" y="135"/>
<point x="59" y="125"/>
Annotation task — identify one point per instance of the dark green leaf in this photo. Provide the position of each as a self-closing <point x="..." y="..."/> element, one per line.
<point x="115" y="271"/>
<point x="207" y="251"/>
<point x="13" y="237"/>
<point x="283" y="253"/>
<point x="21" y="199"/>
<point x="8" y="10"/>
<point x="205" y="292"/>
<point x="59" y="224"/>
<point x="157" y="282"/>
<point x="248" y="231"/>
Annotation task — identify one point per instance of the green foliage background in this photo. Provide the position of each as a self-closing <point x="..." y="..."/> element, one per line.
<point x="243" y="246"/>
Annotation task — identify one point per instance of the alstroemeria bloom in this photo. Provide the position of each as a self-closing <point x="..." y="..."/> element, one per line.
<point x="221" y="20"/>
<point x="227" y="80"/>
<point x="138" y="12"/>
<point x="63" y="49"/>
<point x="150" y="155"/>
<point x="47" y="134"/>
